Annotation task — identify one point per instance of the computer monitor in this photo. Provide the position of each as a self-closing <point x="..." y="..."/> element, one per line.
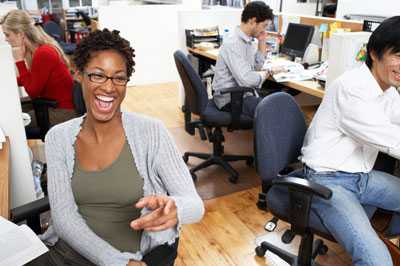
<point x="297" y="38"/>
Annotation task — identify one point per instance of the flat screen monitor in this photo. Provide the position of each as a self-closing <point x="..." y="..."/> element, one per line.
<point x="297" y="38"/>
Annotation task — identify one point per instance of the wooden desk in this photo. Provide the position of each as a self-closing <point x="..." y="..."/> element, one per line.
<point x="307" y="86"/>
<point x="211" y="54"/>
<point x="5" y="180"/>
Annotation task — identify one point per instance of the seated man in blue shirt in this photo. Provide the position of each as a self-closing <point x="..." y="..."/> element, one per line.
<point x="359" y="116"/>
<point x="239" y="63"/>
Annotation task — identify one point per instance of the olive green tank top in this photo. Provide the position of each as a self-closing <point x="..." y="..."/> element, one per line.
<point x="106" y="200"/>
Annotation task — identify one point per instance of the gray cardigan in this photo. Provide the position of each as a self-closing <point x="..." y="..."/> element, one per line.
<point x="158" y="162"/>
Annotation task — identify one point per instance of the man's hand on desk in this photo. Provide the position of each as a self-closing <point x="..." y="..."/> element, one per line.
<point x="267" y="73"/>
<point x="277" y="69"/>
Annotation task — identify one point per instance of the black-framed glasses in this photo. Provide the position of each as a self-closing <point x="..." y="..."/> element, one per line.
<point x="101" y="78"/>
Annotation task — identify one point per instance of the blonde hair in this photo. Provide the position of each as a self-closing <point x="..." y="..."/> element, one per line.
<point x="18" y="21"/>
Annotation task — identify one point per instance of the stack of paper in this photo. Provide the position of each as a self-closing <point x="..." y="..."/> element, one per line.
<point x="18" y="244"/>
<point x="2" y="138"/>
<point x="287" y="70"/>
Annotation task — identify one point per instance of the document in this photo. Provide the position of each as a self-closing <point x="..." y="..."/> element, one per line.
<point x="287" y="70"/>
<point x="2" y="138"/>
<point x="18" y="244"/>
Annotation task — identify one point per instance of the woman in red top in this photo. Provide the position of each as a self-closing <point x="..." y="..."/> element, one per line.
<point x="42" y="65"/>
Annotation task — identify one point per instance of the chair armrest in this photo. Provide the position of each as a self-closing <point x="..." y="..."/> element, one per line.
<point x="241" y="90"/>
<point x="301" y="192"/>
<point x="34" y="208"/>
<point x="236" y="104"/>
<point x="304" y="185"/>
<point x="42" y="102"/>
<point x="25" y="100"/>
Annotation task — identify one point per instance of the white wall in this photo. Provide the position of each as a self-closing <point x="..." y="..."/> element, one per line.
<point x="153" y="32"/>
<point x="291" y="6"/>
<point x="5" y="7"/>
<point x="368" y="7"/>
<point x="157" y="31"/>
<point x="29" y="4"/>
<point x="22" y="188"/>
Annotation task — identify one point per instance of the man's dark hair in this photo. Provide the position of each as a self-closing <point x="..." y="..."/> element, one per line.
<point x="386" y="37"/>
<point x="102" y="40"/>
<point x="258" y="10"/>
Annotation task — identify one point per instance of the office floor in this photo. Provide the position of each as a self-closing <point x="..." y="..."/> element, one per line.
<point x="232" y="223"/>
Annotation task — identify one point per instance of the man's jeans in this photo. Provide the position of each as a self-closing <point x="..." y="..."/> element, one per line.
<point x="344" y="216"/>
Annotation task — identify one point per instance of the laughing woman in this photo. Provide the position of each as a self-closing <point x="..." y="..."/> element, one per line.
<point x="118" y="187"/>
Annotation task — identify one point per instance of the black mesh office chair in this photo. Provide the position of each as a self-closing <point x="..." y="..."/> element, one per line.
<point x="279" y="131"/>
<point x="211" y="119"/>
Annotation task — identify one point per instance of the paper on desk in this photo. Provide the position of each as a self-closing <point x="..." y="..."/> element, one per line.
<point x="291" y="71"/>
<point x="18" y="244"/>
<point x="2" y="138"/>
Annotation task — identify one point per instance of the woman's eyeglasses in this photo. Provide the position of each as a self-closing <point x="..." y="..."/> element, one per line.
<point x="101" y="78"/>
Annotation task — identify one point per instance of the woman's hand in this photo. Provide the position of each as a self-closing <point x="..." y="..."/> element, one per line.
<point x="18" y="53"/>
<point x="262" y="36"/>
<point x="163" y="216"/>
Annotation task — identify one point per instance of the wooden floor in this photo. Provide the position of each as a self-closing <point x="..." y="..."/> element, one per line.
<point x="228" y="232"/>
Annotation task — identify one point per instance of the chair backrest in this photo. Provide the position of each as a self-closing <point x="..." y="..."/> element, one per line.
<point x="196" y="98"/>
<point x="279" y="132"/>
<point x="77" y="99"/>
<point x="54" y="30"/>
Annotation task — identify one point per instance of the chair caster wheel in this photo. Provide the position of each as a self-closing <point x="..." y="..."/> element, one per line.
<point x="185" y="158"/>
<point x="250" y="161"/>
<point x="233" y="179"/>
<point x="288" y="236"/>
<point x="260" y="251"/>
<point x="323" y="250"/>
<point x="194" y="176"/>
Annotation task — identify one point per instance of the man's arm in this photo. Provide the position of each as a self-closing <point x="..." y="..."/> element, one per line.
<point x="241" y="69"/>
<point x="261" y="54"/>
<point x="395" y="106"/>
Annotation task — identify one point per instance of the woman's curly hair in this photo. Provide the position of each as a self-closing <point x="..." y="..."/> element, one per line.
<point x="101" y="40"/>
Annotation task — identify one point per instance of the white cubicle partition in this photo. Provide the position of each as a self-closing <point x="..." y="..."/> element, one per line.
<point x="343" y="50"/>
<point x="153" y="32"/>
<point x="22" y="187"/>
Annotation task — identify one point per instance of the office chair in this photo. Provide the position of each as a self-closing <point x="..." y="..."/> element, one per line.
<point x="211" y="119"/>
<point x="279" y="132"/>
<point x="41" y="108"/>
<point x="55" y="31"/>
<point x="77" y="99"/>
